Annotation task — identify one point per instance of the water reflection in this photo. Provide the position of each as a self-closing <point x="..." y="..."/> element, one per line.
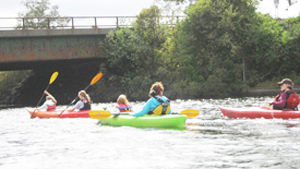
<point x="209" y="141"/>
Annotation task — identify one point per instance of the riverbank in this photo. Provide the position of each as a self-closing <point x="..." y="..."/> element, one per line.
<point x="266" y="91"/>
<point x="250" y="92"/>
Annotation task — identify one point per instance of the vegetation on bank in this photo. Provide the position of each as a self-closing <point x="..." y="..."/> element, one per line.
<point x="10" y="79"/>
<point x="219" y="49"/>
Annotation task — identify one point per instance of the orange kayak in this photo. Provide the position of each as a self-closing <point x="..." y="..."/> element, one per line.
<point x="53" y="114"/>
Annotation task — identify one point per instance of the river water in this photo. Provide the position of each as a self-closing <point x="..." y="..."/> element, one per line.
<point x="209" y="141"/>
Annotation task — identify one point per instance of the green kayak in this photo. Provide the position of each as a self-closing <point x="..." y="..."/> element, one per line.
<point x="147" y="121"/>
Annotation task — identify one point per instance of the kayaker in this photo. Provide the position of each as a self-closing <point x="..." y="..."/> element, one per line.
<point x="287" y="99"/>
<point x="50" y="103"/>
<point x="84" y="103"/>
<point x="157" y="104"/>
<point x="123" y="104"/>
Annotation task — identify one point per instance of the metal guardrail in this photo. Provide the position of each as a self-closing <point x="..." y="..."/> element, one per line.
<point x="82" y="22"/>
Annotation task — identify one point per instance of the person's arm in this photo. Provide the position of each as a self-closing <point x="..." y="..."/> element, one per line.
<point x="44" y="106"/>
<point x="280" y="103"/>
<point x="145" y="109"/>
<point x="77" y="106"/>
<point x="48" y="94"/>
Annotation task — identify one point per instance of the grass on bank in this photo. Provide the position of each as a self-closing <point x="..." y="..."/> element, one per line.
<point x="274" y="81"/>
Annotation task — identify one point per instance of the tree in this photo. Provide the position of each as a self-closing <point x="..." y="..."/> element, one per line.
<point x="135" y="55"/>
<point x="212" y="43"/>
<point x="39" y="14"/>
<point x="291" y="2"/>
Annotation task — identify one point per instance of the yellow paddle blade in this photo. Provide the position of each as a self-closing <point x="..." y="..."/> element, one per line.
<point x="96" y="78"/>
<point x="190" y="113"/>
<point x="99" y="114"/>
<point x="53" y="77"/>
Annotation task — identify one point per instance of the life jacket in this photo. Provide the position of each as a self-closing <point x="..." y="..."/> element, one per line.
<point x="161" y="109"/>
<point x="51" y="107"/>
<point x="124" y="107"/>
<point x="292" y="100"/>
<point x="86" y="106"/>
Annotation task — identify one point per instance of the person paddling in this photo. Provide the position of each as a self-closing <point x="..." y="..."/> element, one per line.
<point x="287" y="99"/>
<point x="157" y="104"/>
<point x="50" y="103"/>
<point x="84" y="103"/>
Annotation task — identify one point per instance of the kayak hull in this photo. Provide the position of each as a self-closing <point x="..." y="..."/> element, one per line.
<point x="147" y="121"/>
<point x="53" y="114"/>
<point x="259" y="112"/>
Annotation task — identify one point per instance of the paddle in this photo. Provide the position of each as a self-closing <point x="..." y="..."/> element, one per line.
<point x="103" y="114"/>
<point x="52" y="79"/>
<point x="94" y="80"/>
<point x="190" y="113"/>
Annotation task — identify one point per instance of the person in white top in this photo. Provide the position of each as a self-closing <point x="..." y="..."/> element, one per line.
<point x="84" y="103"/>
<point x="50" y="103"/>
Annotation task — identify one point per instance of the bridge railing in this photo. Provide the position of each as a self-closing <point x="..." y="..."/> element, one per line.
<point x="77" y="22"/>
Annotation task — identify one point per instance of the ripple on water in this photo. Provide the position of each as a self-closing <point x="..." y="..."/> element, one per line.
<point x="209" y="141"/>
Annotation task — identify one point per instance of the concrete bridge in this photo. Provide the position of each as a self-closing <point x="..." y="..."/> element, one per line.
<point x="27" y="43"/>
<point x="24" y="45"/>
<point x="25" y="49"/>
<point x="45" y="45"/>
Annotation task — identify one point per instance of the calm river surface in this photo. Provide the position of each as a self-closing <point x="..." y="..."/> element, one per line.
<point x="209" y="141"/>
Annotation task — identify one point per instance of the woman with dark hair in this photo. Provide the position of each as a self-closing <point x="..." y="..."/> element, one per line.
<point x="157" y="104"/>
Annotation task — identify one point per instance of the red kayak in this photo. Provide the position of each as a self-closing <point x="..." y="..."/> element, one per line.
<point x="259" y="112"/>
<point x="53" y="114"/>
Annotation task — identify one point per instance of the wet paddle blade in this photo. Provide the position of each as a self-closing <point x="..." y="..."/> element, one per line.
<point x="96" y="78"/>
<point x="53" y="77"/>
<point x="190" y="113"/>
<point x="99" y="114"/>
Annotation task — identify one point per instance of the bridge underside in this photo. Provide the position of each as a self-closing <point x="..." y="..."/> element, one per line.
<point x="75" y="54"/>
<point x="33" y="49"/>
<point x="49" y="64"/>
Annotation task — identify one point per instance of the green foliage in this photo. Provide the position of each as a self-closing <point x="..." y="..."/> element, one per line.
<point x="9" y="79"/>
<point x="212" y="42"/>
<point x="128" y="53"/>
<point x="218" y="50"/>
<point x="139" y="56"/>
<point x="40" y="14"/>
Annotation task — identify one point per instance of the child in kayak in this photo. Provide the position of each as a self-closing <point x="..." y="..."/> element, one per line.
<point x="157" y="104"/>
<point x="84" y="103"/>
<point x="287" y="99"/>
<point x="50" y="103"/>
<point x="123" y="104"/>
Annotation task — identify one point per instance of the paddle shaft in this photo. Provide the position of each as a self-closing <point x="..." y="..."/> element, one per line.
<point x="39" y="102"/>
<point x="94" y="80"/>
<point x="52" y="79"/>
<point x="77" y="96"/>
<point x="102" y="114"/>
